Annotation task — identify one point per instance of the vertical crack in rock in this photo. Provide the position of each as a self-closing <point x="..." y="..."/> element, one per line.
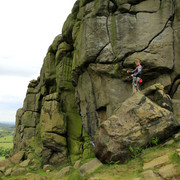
<point x="165" y="26"/>
<point x="108" y="33"/>
<point x="95" y="103"/>
<point x="173" y="10"/>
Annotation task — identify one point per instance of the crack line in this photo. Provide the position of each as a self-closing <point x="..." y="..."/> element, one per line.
<point x="130" y="53"/>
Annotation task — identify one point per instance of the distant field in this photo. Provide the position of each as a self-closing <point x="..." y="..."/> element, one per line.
<point x="6" y="139"/>
<point x="6" y="142"/>
<point x="6" y="145"/>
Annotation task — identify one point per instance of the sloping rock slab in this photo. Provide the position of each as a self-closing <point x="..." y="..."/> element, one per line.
<point x="25" y="163"/>
<point x="156" y="162"/>
<point x="2" y="169"/>
<point x="168" y="171"/>
<point x="18" y="172"/>
<point x="149" y="175"/>
<point x="89" y="167"/>
<point x="16" y="158"/>
<point x="134" y="124"/>
<point x="5" y="163"/>
<point x="63" y="172"/>
<point x="8" y="172"/>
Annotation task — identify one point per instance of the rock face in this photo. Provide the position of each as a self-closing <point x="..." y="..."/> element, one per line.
<point x="83" y="78"/>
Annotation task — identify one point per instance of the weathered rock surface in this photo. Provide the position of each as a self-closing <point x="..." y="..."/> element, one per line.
<point x="135" y="123"/>
<point x="89" y="167"/>
<point x="2" y="169"/>
<point x="25" y="163"/>
<point x="83" y="79"/>
<point x="150" y="175"/>
<point x="168" y="171"/>
<point x="5" y="163"/>
<point x="48" y="167"/>
<point x="16" y="158"/>
<point x="8" y="172"/>
<point x="63" y="172"/>
<point x="157" y="162"/>
<point x="18" y="171"/>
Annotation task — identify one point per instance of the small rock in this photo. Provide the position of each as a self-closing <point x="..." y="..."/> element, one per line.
<point x="177" y="137"/>
<point x="178" y="150"/>
<point x="94" y="178"/>
<point x="28" y="174"/>
<point x="16" y="158"/>
<point x="18" y="171"/>
<point x="25" y="163"/>
<point x="77" y="164"/>
<point x="63" y="172"/>
<point x="38" y="151"/>
<point x="48" y="171"/>
<point x="34" y="167"/>
<point x="169" y="142"/>
<point x="2" y="169"/>
<point x="30" y="156"/>
<point x="149" y="175"/>
<point x="156" y="162"/>
<point x="5" y="163"/>
<point x="89" y="167"/>
<point x="8" y="172"/>
<point x="48" y="167"/>
<point x="167" y="171"/>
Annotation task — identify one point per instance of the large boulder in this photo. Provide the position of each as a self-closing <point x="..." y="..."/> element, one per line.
<point x="134" y="124"/>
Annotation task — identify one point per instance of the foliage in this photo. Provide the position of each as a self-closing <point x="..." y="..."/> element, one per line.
<point x="5" y="151"/>
<point x="175" y="158"/>
<point x="155" y="141"/>
<point x="75" y="176"/>
<point x="112" y="162"/>
<point x="135" y="151"/>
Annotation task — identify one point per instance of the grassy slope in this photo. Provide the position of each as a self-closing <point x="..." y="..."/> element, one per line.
<point x="134" y="167"/>
<point x="128" y="171"/>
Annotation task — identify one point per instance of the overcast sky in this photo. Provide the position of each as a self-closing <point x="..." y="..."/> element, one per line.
<point x="27" y="28"/>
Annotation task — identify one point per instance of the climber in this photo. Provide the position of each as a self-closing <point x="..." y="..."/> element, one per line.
<point x="136" y="75"/>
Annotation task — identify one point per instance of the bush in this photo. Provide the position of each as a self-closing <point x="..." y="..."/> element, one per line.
<point x="5" y="151"/>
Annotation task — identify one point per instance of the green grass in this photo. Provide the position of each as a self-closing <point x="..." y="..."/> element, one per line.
<point x="2" y="158"/>
<point x="6" y="142"/>
<point x="6" y="145"/>
<point x="6" y="139"/>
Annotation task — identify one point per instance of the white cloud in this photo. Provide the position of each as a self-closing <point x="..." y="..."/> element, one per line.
<point x="28" y="27"/>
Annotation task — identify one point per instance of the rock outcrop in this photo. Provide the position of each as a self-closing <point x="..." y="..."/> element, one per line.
<point x="83" y="78"/>
<point x="134" y="124"/>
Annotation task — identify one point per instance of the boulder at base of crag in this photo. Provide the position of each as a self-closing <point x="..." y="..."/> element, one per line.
<point x="134" y="124"/>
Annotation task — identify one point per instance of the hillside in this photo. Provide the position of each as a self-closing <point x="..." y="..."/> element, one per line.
<point x="161" y="162"/>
